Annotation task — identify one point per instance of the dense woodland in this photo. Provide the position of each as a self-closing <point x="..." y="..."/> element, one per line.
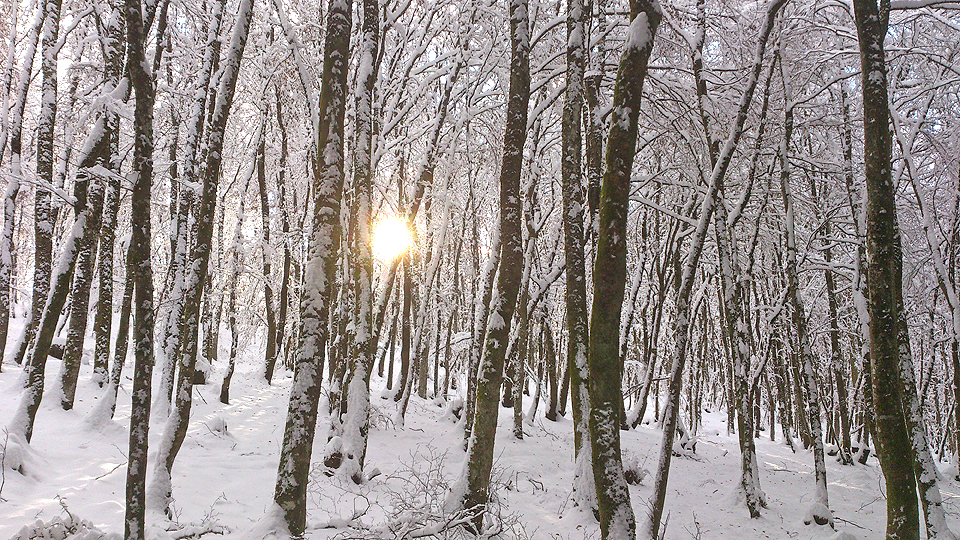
<point x="626" y="210"/>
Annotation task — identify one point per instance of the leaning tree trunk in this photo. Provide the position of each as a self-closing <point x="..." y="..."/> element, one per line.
<point x="22" y="422"/>
<point x="885" y="277"/>
<point x="293" y="472"/>
<point x="13" y="184"/>
<point x="610" y="275"/>
<point x="172" y="338"/>
<point x="235" y="270"/>
<point x="687" y="276"/>
<point x="472" y="489"/>
<point x="80" y="294"/>
<point x="175" y="430"/>
<point x="90" y="183"/>
<point x="44" y="221"/>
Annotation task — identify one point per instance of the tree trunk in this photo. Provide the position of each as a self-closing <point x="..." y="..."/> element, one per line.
<point x="798" y="317"/>
<point x="471" y="490"/>
<point x="160" y="496"/>
<point x="357" y="424"/>
<point x="266" y="250"/>
<point x="172" y="339"/>
<point x="13" y="184"/>
<point x="609" y="278"/>
<point x="884" y="285"/>
<point x="293" y="472"/>
<point x="686" y="279"/>
<point x="139" y="264"/>
<point x="574" y="215"/>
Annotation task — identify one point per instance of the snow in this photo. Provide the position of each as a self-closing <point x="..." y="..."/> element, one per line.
<point x="226" y="472"/>
<point x="638" y="34"/>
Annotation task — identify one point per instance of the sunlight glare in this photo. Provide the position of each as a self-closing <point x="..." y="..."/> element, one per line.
<point x="391" y="238"/>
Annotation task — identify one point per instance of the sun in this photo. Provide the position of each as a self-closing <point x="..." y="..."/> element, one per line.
<point x="391" y="238"/>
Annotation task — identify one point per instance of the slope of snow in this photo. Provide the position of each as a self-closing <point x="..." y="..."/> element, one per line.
<point x="224" y="477"/>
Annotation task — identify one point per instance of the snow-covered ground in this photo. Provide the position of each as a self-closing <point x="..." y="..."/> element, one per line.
<point x="224" y="480"/>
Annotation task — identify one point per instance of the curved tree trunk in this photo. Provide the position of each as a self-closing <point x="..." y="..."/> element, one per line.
<point x="687" y="275"/>
<point x="175" y="430"/>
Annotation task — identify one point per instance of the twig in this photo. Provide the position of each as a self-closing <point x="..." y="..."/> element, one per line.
<point x="110" y="471"/>
<point x="850" y="522"/>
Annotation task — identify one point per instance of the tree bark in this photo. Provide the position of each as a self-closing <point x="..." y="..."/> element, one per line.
<point x="293" y="472"/>
<point x="574" y="215"/>
<point x="609" y="277"/>
<point x="471" y="490"/>
<point x="885" y="275"/>
<point x="139" y="263"/>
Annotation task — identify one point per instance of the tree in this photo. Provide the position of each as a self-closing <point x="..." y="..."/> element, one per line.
<point x="609" y="276"/>
<point x="573" y="244"/>
<point x="884" y="276"/>
<point x="139" y="264"/>
<point x="471" y="491"/>
<point x="292" y="474"/>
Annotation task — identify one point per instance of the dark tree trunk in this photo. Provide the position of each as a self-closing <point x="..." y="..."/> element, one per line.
<point x="293" y="472"/>
<point x="884" y="284"/>
<point x="175" y="431"/>
<point x="479" y="458"/>
<point x="610" y="274"/>
<point x="140" y="266"/>
<point x="574" y="215"/>
<point x="270" y="360"/>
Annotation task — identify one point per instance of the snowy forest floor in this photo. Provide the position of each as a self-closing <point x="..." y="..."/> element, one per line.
<point x="224" y="479"/>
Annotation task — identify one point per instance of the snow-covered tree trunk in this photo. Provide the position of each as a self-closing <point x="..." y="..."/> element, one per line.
<point x="15" y="131"/>
<point x="650" y="529"/>
<point x="172" y="338"/>
<point x="46" y="120"/>
<point x="8" y="67"/>
<point x="96" y="177"/>
<point x="574" y="216"/>
<point x="610" y="274"/>
<point x="836" y="354"/>
<point x="819" y="510"/>
<point x="470" y="492"/>
<point x="13" y="186"/>
<point x="293" y="472"/>
<point x="735" y="307"/>
<point x="284" y="230"/>
<point x="103" y="319"/>
<point x="357" y="423"/>
<point x="175" y="430"/>
<point x="236" y="268"/>
<point x="89" y="191"/>
<point x="109" y="398"/>
<point x="924" y="466"/>
<point x="885" y="275"/>
<point x="479" y="333"/>
<point x="266" y="251"/>
<point x="139" y="264"/>
<point x="44" y="316"/>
